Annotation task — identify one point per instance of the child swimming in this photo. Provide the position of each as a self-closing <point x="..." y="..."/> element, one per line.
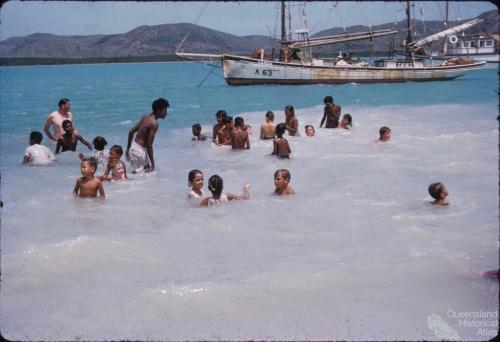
<point x="88" y="185"/>
<point x="239" y="136"/>
<point x="215" y="185"/>
<point x="37" y="154"/>
<point x="346" y="122"/>
<point x="70" y="138"/>
<point x="220" y="115"/>
<point x="281" y="147"/>
<point x="385" y="135"/>
<point x="115" y="165"/>
<point x="291" y="122"/>
<point x="195" y="182"/>
<point x="268" y="129"/>
<point x="309" y="129"/>
<point x="439" y="192"/>
<point x="281" y="182"/>
<point x="196" y="128"/>
<point x="224" y="134"/>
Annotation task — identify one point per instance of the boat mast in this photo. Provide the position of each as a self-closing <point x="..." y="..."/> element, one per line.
<point x="283" y="47"/>
<point x="409" y="54"/>
<point x="445" y="46"/>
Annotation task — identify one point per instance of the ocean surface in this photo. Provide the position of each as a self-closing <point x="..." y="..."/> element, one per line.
<point x="357" y="254"/>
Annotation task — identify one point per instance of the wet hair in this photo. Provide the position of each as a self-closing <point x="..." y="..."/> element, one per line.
<point x="193" y="174"/>
<point x="291" y="109"/>
<point x="284" y="173"/>
<point x="91" y="160"/>
<point x="215" y="184"/>
<point x="384" y="130"/>
<point x="328" y="99"/>
<point x="197" y="126"/>
<point x="270" y="115"/>
<point x="66" y="122"/>
<point x="435" y="190"/>
<point x="99" y="143"/>
<point x="221" y="112"/>
<point x="63" y="101"/>
<point x="305" y="128"/>
<point x="349" y="119"/>
<point x="159" y="104"/>
<point x="36" y="137"/>
<point x="239" y="121"/>
<point x="118" y="149"/>
<point x="280" y="129"/>
<point x="227" y="119"/>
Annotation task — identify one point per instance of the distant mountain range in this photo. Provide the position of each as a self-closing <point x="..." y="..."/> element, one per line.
<point x="162" y="40"/>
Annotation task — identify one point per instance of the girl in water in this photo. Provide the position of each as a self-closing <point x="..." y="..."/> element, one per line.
<point x="215" y="185"/>
<point x="195" y="182"/>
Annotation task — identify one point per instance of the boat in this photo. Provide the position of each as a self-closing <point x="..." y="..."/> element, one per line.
<point x="480" y="47"/>
<point x="296" y="64"/>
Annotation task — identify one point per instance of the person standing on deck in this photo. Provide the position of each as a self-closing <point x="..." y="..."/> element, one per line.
<point x="56" y="119"/>
<point x="140" y="152"/>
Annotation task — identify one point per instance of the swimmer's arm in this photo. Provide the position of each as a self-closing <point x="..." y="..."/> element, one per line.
<point x="204" y="202"/>
<point x="26" y="159"/>
<point x="124" y="170"/>
<point x="275" y="147"/>
<point x="149" y="143"/>
<point x="101" y="190"/>
<point x="288" y="147"/>
<point x="105" y="176"/>
<point x="323" y="119"/>
<point x="85" y="142"/>
<point x="261" y="132"/>
<point x="46" y="128"/>
<point x="58" y="146"/>
<point x="247" y="142"/>
<point x="77" y="188"/>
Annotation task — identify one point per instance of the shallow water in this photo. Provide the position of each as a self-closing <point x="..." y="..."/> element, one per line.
<point x="358" y="253"/>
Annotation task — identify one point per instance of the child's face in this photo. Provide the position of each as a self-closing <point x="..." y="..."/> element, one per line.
<point x="197" y="182"/>
<point x="114" y="155"/>
<point x="87" y="169"/>
<point x="219" y="119"/>
<point x="386" y="136"/>
<point x="68" y="128"/>
<point x="310" y="131"/>
<point x="196" y="131"/>
<point x="444" y="192"/>
<point x="345" y="122"/>
<point x="119" y="168"/>
<point x="280" y="182"/>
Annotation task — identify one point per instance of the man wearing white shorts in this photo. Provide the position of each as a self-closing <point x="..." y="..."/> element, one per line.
<point x="140" y="153"/>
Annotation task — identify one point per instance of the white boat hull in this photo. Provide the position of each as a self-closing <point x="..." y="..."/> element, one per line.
<point x="240" y="70"/>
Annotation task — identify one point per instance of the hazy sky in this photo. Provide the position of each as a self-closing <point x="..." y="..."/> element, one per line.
<point x="21" y="18"/>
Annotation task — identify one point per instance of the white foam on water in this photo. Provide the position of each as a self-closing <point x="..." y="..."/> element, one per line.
<point x="357" y="253"/>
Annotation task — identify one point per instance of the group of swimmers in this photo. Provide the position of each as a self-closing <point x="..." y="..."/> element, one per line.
<point x="139" y="151"/>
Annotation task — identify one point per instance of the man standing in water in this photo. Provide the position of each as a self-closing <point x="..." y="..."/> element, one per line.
<point x="331" y="113"/>
<point x="56" y="119"/>
<point x="140" y="152"/>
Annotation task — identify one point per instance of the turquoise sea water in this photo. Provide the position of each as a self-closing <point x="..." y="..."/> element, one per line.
<point x="358" y="253"/>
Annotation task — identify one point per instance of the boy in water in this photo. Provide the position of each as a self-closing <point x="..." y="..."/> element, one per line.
<point x="196" y="128"/>
<point x="291" y="122"/>
<point x="268" y="129"/>
<point x="88" y="185"/>
<point x="35" y="153"/>
<point x="281" y="147"/>
<point x="385" y="135"/>
<point x="439" y="192"/>
<point x="346" y="122"/>
<point x="310" y="130"/>
<point x="224" y="134"/>
<point x="281" y="182"/>
<point x="115" y="165"/>
<point x="331" y="113"/>
<point x="140" y="152"/>
<point x="220" y="115"/>
<point x="69" y="140"/>
<point x="239" y="137"/>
